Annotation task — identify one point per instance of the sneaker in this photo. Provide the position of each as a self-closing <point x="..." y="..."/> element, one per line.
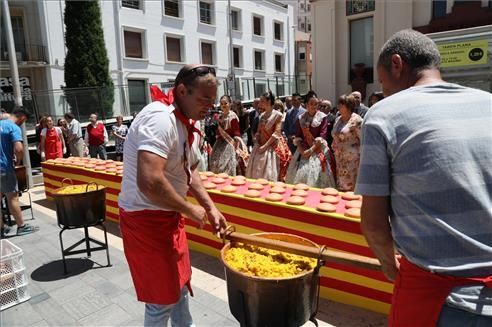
<point x="5" y="231"/>
<point x="25" y="229"/>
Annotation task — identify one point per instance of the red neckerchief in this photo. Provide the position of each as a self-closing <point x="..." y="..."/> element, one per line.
<point x="419" y="295"/>
<point x="168" y="99"/>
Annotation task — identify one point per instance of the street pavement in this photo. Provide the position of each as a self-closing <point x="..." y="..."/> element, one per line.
<point x="95" y="295"/>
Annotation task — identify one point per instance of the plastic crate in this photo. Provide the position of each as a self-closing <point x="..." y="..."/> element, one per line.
<point x="13" y="278"/>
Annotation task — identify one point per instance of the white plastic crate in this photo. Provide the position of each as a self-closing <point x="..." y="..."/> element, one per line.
<point x="13" y="278"/>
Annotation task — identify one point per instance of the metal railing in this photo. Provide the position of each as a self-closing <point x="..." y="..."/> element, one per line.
<point x="26" y="52"/>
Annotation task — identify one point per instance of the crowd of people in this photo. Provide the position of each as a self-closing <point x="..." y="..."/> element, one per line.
<point x="298" y="140"/>
<point x="66" y="138"/>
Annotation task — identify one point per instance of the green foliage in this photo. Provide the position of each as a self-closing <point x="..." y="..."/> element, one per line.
<point x="86" y="63"/>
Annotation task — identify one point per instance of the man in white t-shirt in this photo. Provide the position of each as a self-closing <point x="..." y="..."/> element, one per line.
<point x="161" y="153"/>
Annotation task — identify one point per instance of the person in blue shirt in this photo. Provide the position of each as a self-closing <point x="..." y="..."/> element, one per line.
<point x="289" y="128"/>
<point x="11" y="147"/>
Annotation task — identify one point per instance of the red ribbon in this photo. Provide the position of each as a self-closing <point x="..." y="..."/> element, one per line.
<point x="156" y="94"/>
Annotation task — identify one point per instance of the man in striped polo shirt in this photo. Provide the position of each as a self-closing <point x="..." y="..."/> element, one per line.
<point x="426" y="176"/>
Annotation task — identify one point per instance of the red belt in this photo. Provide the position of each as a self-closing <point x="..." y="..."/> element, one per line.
<point x="157" y="253"/>
<point x="419" y="295"/>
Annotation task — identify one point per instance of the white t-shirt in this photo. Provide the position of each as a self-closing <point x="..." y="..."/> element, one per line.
<point x="57" y="129"/>
<point x="156" y="129"/>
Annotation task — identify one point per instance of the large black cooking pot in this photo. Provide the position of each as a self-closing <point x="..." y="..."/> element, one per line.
<point x="273" y="302"/>
<point x="80" y="209"/>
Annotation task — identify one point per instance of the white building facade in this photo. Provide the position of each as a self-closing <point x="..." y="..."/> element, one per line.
<point x="149" y="41"/>
<point x="347" y="36"/>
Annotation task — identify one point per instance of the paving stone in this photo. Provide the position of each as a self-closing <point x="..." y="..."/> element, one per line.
<point x="112" y="315"/>
<point x="20" y="315"/>
<point x="107" y="288"/>
<point x="75" y="289"/>
<point x="130" y="304"/>
<point x="86" y="305"/>
<point x="53" y="313"/>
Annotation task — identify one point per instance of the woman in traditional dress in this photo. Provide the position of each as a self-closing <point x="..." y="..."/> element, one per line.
<point x="264" y="162"/>
<point x="346" y="143"/>
<point x="223" y="159"/>
<point x="52" y="144"/>
<point x="311" y="161"/>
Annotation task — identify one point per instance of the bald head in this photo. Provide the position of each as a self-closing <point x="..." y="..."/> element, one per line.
<point x="358" y="97"/>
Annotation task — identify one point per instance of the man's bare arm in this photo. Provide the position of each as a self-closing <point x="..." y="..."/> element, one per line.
<point x="215" y="218"/>
<point x="19" y="152"/>
<point x="152" y="182"/>
<point x="377" y="230"/>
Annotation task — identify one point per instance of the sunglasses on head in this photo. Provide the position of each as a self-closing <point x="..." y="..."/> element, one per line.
<point x="193" y="73"/>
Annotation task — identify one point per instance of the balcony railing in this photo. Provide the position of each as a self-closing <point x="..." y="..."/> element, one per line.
<point x="26" y="53"/>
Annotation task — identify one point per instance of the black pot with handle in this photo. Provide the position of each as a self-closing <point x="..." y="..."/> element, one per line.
<point x="80" y="209"/>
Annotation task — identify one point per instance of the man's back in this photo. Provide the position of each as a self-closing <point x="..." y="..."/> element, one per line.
<point x="9" y="133"/>
<point x="429" y="148"/>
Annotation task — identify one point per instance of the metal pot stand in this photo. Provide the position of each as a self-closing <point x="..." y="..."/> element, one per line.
<point x="82" y="210"/>
<point x="87" y="240"/>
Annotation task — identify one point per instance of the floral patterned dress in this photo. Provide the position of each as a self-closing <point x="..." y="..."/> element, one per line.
<point x="223" y="159"/>
<point x="346" y="145"/>
<point x="119" y="143"/>
<point x="314" y="171"/>
<point x="266" y="164"/>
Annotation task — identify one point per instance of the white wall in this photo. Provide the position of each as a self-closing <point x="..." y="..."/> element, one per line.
<point x="331" y="41"/>
<point x="151" y="20"/>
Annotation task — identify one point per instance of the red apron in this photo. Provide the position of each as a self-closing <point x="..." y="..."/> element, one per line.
<point x="157" y="253"/>
<point x="418" y="294"/>
<point x="52" y="145"/>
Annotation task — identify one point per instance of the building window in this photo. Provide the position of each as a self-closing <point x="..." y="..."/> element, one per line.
<point x="302" y="53"/>
<point x="19" y="40"/>
<point x="309" y="27"/>
<point x="260" y="88"/>
<point x="361" y="49"/>
<point x="438" y="8"/>
<point x="134" y="44"/>
<point x="309" y="7"/>
<point x="137" y="94"/>
<point x="258" y="25"/>
<point x="171" y="8"/>
<point x="206" y="13"/>
<point x="359" y="6"/>
<point x="279" y="63"/>
<point x="207" y="49"/>
<point x="303" y="26"/>
<point x="237" y="57"/>
<point x="174" y="49"/>
<point x="259" y="65"/>
<point x="278" y="31"/>
<point x="133" y="4"/>
<point x="236" y="19"/>
<point x="302" y="5"/>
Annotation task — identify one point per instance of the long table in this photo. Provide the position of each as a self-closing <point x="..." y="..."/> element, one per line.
<point x="341" y="283"/>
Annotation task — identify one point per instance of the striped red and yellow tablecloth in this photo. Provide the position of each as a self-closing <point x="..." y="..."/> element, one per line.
<point x="342" y="283"/>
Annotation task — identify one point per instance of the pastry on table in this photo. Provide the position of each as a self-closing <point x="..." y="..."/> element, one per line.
<point x="326" y="207"/>
<point x="252" y="194"/>
<point x="329" y="199"/>
<point x="229" y="189"/>
<point x="209" y="185"/>
<point x="329" y="191"/>
<point x="274" y="197"/>
<point x="300" y="193"/>
<point x="296" y="200"/>
<point x="301" y="186"/>
<point x="353" y="213"/>
<point x="350" y="196"/>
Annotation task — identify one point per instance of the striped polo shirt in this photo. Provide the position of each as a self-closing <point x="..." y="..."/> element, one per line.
<point x="430" y="149"/>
